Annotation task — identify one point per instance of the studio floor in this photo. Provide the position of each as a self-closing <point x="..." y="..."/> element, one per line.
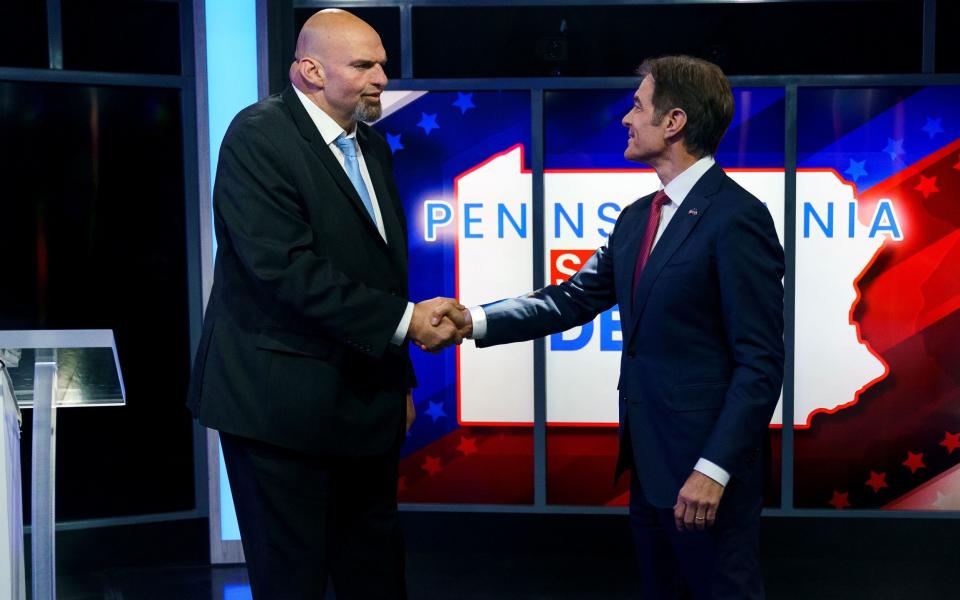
<point x="527" y="557"/>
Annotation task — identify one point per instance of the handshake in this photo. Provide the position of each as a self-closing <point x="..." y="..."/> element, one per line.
<point x="439" y="323"/>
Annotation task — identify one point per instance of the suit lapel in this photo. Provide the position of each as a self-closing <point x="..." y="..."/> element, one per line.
<point x="309" y="131"/>
<point x="633" y="235"/>
<point x="392" y="227"/>
<point x="688" y="214"/>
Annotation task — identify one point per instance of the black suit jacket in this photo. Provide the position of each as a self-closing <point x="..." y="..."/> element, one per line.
<point x="306" y="296"/>
<point x="703" y="353"/>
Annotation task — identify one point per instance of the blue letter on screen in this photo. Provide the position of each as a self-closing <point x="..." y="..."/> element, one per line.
<point x="808" y="212"/>
<point x="610" y="325"/>
<point x="577" y="227"/>
<point x="612" y="220"/>
<point x="467" y="220"/>
<point x="851" y="220"/>
<point x="520" y="228"/>
<point x="558" y="344"/>
<point x="886" y="220"/>
<point x="436" y="214"/>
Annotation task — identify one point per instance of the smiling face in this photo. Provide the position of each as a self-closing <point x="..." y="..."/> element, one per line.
<point x="646" y="133"/>
<point x="346" y="65"/>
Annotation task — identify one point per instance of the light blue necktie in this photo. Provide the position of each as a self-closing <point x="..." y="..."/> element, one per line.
<point x="352" y="165"/>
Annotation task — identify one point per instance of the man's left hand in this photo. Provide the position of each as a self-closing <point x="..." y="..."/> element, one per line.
<point x="411" y="411"/>
<point x="697" y="503"/>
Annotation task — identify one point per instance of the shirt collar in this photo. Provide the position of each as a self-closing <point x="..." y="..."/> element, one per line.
<point x="681" y="185"/>
<point x="329" y="129"/>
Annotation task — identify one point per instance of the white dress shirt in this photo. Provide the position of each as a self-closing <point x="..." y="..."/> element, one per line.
<point x="677" y="191"/>
<point x="330" y="131"/>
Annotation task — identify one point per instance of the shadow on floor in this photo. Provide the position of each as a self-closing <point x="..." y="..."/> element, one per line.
<point x="533" y="557"/>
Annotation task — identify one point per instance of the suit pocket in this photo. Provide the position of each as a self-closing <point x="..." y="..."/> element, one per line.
<point x="280" y="340"/>
<point x="698" y="396"/>
<point x="679" y="262"/>
<point x="200" y="365"/>
<point x="300" y="391"/>
<point x="681" y="267"/>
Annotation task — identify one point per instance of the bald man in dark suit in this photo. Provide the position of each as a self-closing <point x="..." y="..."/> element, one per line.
<point x="303" y="365"/>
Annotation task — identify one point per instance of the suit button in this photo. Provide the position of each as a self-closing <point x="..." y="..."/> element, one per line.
<point x="631" y="354"/>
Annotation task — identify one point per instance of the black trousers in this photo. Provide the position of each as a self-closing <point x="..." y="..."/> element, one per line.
<point x="721" y="562"/>
<point x="306" y="519"/>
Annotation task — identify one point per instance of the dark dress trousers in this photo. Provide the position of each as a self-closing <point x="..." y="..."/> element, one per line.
<point x="295" y="367"/>
<point x="701" y="368"/>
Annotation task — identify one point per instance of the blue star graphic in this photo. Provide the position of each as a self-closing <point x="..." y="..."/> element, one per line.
<point x="464" y="102"/>
<point x="856" y="170"/>
<point x="933" y="127"/>
<point x="394" y="141"/>
<point x="436" y="411"/>
<point x="894" y="148"/>
<point x="428" y="122"/>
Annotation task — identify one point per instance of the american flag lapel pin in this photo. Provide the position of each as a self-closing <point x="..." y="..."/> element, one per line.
<point x="693" y="212"/>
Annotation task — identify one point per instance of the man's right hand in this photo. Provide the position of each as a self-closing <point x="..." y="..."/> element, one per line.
<point x="457" y="314"/>
<point x="433" y="334"/>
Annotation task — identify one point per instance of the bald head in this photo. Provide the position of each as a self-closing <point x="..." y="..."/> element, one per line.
<point x="339" y="66"/>
<point x="326" y="31"/>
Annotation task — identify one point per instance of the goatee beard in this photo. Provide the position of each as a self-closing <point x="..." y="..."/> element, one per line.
<point x="367" y="111"/>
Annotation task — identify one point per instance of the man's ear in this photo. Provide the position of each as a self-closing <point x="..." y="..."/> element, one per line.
<point x="676" y="121"/>
<point x="311" y="71"/>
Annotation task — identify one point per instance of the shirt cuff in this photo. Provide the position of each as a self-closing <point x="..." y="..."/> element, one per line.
<point x="479" y="318"/>
<point x="713" y="471"/>
<point x="400" y="335"/>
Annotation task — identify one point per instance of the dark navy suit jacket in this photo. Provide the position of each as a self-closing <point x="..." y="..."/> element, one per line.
<point x="703" y="354"/>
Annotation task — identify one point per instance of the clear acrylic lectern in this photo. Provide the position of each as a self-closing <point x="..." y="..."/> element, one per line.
<point x="47" y="370"/>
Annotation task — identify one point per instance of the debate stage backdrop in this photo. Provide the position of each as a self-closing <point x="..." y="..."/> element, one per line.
<point x="873" y="291"/>
<point x="876" y="285"/>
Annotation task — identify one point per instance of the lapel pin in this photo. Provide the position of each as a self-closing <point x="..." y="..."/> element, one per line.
<point x="693" y="211"/>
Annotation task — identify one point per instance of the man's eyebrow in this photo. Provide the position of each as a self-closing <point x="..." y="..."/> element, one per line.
<point x="367" y="61"/>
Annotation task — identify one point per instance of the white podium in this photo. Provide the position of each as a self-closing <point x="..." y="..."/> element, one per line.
<point x="46" y="370"/>
<point x="12" y="583"/>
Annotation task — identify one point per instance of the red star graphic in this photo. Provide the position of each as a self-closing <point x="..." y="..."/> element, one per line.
<point x="951" y="441"/>
<point x="402" y="483"/>
<point x="467" y="445"/>
<point x="927" y="186"/>
<point x="914" y="461"/>
<point x="840" y="500"/>
<point x="431" y="465"/>
<point x="877" y="481"/>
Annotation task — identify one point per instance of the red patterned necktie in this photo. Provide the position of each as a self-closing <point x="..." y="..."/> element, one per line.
<point x="653" y="221"/>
